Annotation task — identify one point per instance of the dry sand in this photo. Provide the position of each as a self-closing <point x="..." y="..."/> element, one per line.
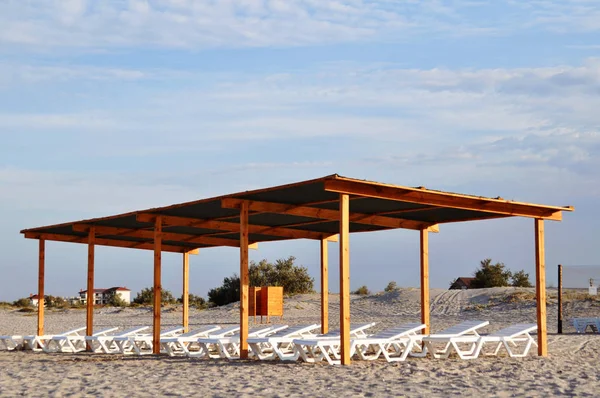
<point x="571" y="369"/>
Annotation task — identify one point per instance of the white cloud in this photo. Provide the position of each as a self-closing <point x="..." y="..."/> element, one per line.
<point x="244" y="23"/>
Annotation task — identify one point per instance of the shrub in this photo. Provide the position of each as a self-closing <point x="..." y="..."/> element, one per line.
<point x="521" y="279"/>
<point x="146" y="297"/>
<point x="229" y="292"/>
<point x="391" y="287"/>
<point x="363" y="291"/>
<point x="115" y="300"/>
<point x="195" y="301"/>
<point x="23" y="303"/>
<point x="491" y="275"/>
<point x="294" y="279"/>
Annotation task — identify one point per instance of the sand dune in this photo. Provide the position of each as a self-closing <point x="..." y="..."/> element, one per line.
<point x="571" y="369"/>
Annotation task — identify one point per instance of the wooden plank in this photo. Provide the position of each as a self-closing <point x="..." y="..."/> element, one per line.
<point x="233" y="227"/>
<point x="157" y="285"/>
<point x="90" y="285"/>
<point x="186" y="291"/>
<point x="426" y="197"/>
<point x="244" y="280"/>
<point x="41" y="277"/>
<point x="540" y="287"/>
<point x="425" y="280"/>
<point x="108" y="242"/>
<point x="328" y="214"/>
<point x="324" y="286"/>
<point x="345" y="279"/>
<point x="167" y="236"/>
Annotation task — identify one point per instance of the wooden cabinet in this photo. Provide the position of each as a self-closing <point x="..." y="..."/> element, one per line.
<point x="266" y="301"/>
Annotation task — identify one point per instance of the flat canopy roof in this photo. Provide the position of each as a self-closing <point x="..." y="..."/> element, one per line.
<point x="308" y="209"/>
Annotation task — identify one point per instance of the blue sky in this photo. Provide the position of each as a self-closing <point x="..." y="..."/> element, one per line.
<point x="118" y="105"/>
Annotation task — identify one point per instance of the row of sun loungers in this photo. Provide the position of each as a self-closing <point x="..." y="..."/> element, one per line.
<point x="292" y="343"/>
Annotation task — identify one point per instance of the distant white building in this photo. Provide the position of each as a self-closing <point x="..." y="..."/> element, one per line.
<point x="102" y="296"/>
<point x="34" y="299"/>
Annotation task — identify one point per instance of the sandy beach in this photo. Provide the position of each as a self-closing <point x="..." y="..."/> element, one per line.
<point x="571" y="368"/>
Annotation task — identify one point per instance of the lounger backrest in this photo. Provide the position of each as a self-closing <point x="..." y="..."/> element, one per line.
<point x="104" y="331"/>
<point x="462" y="328"/>
<point x="399" y="331"/>
<point x="262" y="330"/>
<point x="129" y="332"/>
<point x="515" y="330"/>
<point x="73" y="332"/>
<point x="225" y="332"/>
<point x="200" y="331"/>
<point x="295" y="331"/>
<point x="354" y="330"/>
<point x="171" y="331"/>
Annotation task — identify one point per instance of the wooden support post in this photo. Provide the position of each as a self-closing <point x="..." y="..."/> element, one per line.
<point x="324" y="286"/>
<point x="540" y="287"/>
<point x="560" y="312"/>
<point x="244" y="279"/>
<point x="90" y="284"/>
<point x="157" y="285"/>
<point x="425" y="280"/>
<point x="345" y="278"/>
<point x="41" y="271"/>
<point x="186" y="295"/>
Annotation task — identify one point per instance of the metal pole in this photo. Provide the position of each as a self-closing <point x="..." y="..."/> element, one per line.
<point x="560" y="314"/>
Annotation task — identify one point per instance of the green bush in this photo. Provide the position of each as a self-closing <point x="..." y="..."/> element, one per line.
<point x="391" y="287"/>
<point x="294" y="279"/>
<point x="195" y="301"/>
<point x="23" y="303"/>
<point x="491" y="275"/>
<point x="363" y="291"/>
<point x="146" y="297"/>
<point x="115" y="300"/>
<point x="521" y="279"/>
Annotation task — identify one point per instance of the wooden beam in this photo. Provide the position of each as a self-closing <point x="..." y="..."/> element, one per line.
<point x="167" y="236"/>
<point x="540" y="287"/>
<point x="41" y="275"/>
<point x="89" y="331"/>
<point x="233" y="227"/>
<point x="425" y="280"/>
<point x="107" y="242"/>
<point x="244" y="281"/>
<point x="328" y="214"/>
<point x="324" y="286"/>
<point x="186" y="291"/>
<point x="157" y="285"/>
<point x="345" y="279"/>
<point x="422" y="196"/>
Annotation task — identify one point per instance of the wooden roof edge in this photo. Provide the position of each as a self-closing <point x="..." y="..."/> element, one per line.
<point x="448" y="193"/>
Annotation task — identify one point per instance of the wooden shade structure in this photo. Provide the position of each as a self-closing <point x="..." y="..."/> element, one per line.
<point x="322" y="209"/>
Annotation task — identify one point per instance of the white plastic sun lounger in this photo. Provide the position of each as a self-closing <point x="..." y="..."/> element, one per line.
<point x="229" y="346"/>
<point x="581" y="324"/>
<point x="508" y="338"/>
<point x="193" y="341"/>
<point x="37" y="343"/>
<point x="71" y="343"/>
<point x="454" y="339"/>
<point x="280" y="345"/>
<point x="10" y="343"/>
<point x="179" y="345"/>
<point x="394" y="344"/>
<point x="106" y="344"/>
<point x="141" y="344"/>
<point x="326" y="346"/>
